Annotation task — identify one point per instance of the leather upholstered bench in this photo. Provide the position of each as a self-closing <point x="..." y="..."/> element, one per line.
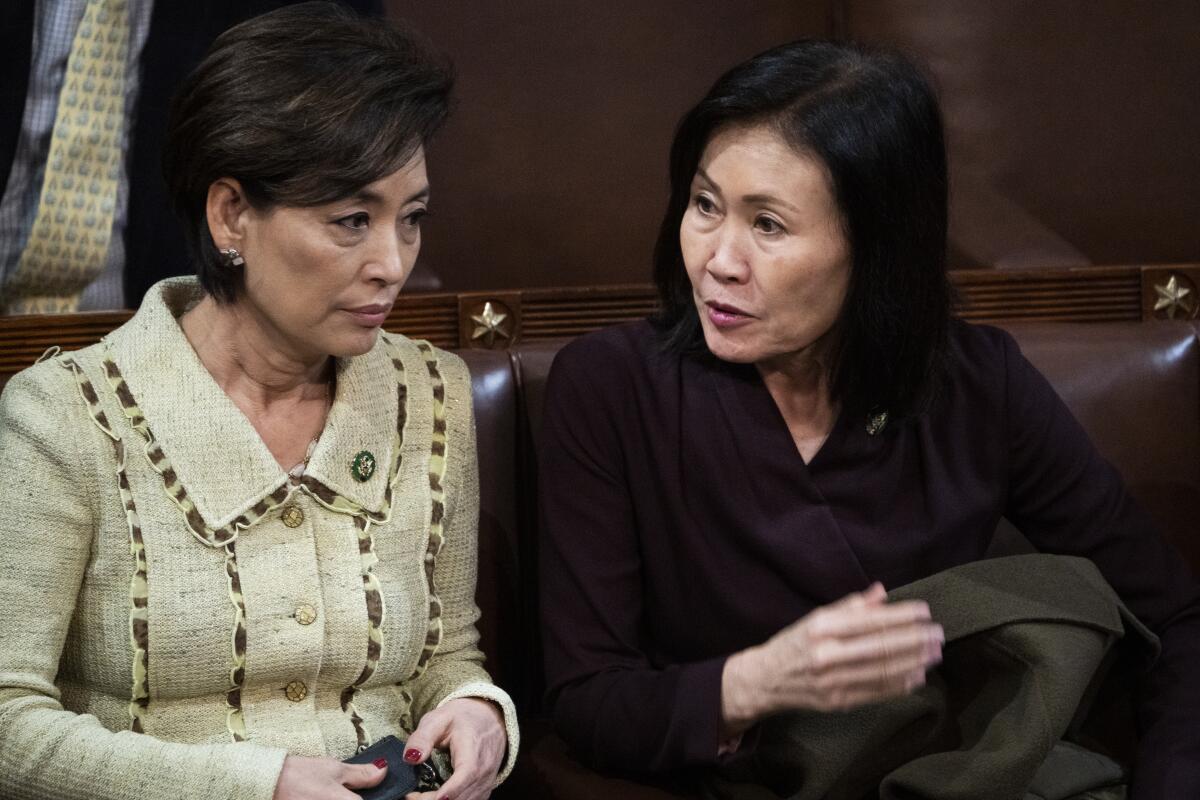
<point x="1134" y="386"/>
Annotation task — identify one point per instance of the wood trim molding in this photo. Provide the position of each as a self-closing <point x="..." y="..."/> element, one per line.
<point x="1080" y="294"/>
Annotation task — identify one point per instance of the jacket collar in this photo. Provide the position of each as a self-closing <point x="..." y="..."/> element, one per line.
<point x="215" y="452"/>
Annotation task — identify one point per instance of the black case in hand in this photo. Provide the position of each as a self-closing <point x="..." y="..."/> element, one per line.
<point x="401" y="778"/>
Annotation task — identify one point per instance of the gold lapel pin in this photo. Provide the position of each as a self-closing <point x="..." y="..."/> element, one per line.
<point x="876" y="423"/>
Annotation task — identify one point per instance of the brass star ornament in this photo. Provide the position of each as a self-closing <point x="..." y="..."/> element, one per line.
<point x="489" y="324"/>
<point x="1173" y="297"/>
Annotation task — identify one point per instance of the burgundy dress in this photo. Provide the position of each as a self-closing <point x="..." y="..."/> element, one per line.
<point x="680" y="525"/>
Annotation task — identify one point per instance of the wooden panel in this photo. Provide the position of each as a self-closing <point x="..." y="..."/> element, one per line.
<point x="1084" y="294"/>
<point x="23" y="339"/>
<point x="1068" y="120"/>
<point x="551" y="313"/>
<point x="426" y="316"/>
<point x="554" y="162"/>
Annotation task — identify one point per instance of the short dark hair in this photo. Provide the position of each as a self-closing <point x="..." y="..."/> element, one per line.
<point x="872" y="119"/>
<point x="303" y="105"/>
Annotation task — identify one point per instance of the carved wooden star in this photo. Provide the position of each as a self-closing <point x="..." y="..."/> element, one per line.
<point x="489" y="324"/>
<point x="1171" y="297"/>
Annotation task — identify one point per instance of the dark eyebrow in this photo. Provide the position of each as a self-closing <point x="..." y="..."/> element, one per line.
<point x="753" y="199"/>
<point x="768" y="199"/>
<point x="365" y="195"/>
<point x="422" y="194"/>
<point x="704" y="175"/>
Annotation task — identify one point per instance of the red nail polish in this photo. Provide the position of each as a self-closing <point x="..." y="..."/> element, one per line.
<point x="412" y="755"/>
<point x="380" y="762"/>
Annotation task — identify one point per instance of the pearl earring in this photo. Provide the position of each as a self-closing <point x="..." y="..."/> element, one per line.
<point x="232" y="257"/>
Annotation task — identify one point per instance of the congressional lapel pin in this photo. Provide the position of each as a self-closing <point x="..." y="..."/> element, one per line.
<point x="876" y="423"/>
<point x="363" y="466"/>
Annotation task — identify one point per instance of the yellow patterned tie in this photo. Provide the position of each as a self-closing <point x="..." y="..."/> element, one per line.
<point x="69" y="240"/>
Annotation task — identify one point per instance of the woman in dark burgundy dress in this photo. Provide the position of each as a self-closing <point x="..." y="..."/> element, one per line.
<point x="728" y="488"/>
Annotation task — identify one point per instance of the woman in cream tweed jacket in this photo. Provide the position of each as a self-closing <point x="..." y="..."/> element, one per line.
<point x="187" y="615"/>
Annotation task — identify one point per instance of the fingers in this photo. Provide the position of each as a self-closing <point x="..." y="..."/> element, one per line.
<point x="879" y="665"/>
<point x="431" y="732"/>
<point x="844" y="686"/>
<point x="890" y="627"/>
<point x="305" y="778"/>
<point x="460" y="786"/>
<point x="362" y="776"/>
<point x="844" y="619"/>
<point x="473" y="731"/>
<point x="470" y="780"/>
<point x="889" y="644"/>
<point x="857" y="650"/>
<point x="874" y="595"/>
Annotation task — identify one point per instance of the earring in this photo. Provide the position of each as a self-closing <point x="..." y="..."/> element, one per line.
<point x="232" y="257"/>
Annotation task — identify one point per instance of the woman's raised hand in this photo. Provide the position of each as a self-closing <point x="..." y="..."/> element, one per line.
<point x="324" y="779"/>
<point x="858" y="650"/>
<point x="473" y="731"/>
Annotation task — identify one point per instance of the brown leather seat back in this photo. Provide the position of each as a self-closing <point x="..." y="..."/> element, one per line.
<point x="499" y="588"/>
<point x="1135" y="388"/>
<point x="532" y="364"/>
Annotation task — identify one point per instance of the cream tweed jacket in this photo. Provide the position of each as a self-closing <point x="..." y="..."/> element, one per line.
<point x="178" y="616"/>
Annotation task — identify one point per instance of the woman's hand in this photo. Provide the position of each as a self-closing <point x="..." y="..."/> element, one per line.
<point x="473" y="731"/>
<point x="324" y="779"/>
<point x="858" y="650"/>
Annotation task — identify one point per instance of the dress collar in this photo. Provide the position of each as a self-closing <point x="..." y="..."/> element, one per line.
<point x="215" y="452"/>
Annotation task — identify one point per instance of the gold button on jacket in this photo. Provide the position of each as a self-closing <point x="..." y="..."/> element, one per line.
<point x="306" y="615"/>
<point x="214" y="590"/>
<point x="293" y="517"/>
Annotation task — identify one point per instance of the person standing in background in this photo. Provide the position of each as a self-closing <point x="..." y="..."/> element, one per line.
<point x="66" y="242"/>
